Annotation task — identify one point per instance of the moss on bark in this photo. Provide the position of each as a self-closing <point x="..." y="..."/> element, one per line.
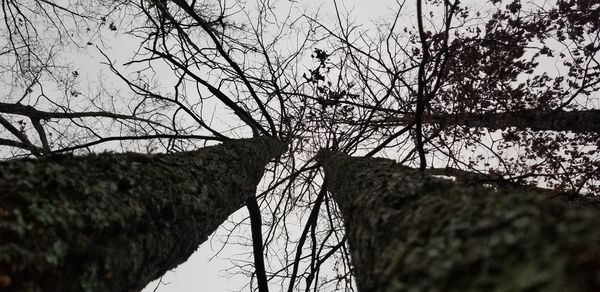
<point x="114" y="222"/>
<point x="410" y="232"/>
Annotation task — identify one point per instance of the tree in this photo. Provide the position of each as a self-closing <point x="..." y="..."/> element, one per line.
<point x="409" y="231"/>
<point x="432" y="94"/>
<point x="585" y="121"/>
<point x="114" y="222"/>
<point x="476" y="71"/>
<point x="428" y="93"/>
<point x="44" y="122"/>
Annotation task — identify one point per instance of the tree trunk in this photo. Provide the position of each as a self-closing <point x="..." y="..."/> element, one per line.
<point x="410" y="232"/>
<point x="114" y="222"/>
<point x="537" y="120"/>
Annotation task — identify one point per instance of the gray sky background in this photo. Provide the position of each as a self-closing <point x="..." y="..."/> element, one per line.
<point x="200" y="273"/>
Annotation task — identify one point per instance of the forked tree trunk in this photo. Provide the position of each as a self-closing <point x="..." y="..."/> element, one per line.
<point x="409" y="232"/>
<point x="114" y="222"/>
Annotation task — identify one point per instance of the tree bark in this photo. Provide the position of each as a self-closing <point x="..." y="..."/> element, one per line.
<point x="538" y="120"/>
<point x="115" y="222"/>
<point x="411" y="232"/>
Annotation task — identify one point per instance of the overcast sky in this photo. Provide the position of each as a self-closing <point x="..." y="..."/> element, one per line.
<point x="200" y="274"/>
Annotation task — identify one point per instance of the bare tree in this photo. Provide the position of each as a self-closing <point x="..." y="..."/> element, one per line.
<point x="428" y="86"/>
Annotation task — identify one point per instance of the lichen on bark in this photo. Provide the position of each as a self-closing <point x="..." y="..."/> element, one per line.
<point x="411" y="232"/>
<point x="114" y="222"/>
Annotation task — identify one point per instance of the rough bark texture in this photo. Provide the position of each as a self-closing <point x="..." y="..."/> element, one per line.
<point x="409" y="232"/>
<point x="575" y="121"/>
<point x="114" y="222"/>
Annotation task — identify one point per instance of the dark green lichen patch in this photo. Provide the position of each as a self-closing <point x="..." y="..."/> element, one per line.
<point x="409" y="232"/>
<point x="114" y="222"/>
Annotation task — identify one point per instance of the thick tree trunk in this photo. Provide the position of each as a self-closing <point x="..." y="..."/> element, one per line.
<point x="410" y="232"/>
<point x="114" y="222"/>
